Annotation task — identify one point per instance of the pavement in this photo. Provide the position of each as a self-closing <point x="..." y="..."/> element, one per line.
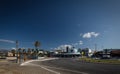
<point x="8" y="67"/>
<point x="73" y="66"/>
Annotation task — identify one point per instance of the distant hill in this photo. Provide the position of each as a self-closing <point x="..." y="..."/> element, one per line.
<point x="4" y="50"/>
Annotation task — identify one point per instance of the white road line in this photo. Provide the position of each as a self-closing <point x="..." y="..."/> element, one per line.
<point x="65" y="69"/>
<point x="50" y="70"/>
<point x="55" y="72"/>
<point x="46" y="67"/>
<point x="37" y="60"/>
<point x="28" y="63"/>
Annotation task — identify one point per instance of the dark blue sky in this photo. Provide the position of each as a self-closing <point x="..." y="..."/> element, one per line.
<point x="60" y="22"/>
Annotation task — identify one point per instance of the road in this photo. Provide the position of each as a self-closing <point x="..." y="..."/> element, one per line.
<point x="73" y="66"/>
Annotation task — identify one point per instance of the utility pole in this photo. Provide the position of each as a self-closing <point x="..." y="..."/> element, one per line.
<point x="95" y="47"/>
<point x="17" y="49"/>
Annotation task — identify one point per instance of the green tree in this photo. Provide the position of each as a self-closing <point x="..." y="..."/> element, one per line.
<point x="13" y="52"/>
<point x="29" y="51"/>
<point x="23" y="51"/>
<point x="37" y="44"/>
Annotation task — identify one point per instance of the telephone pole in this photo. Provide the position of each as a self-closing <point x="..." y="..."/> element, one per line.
<point x="95" y="47"/>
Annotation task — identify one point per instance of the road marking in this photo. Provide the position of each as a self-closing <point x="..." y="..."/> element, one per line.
<point x="65" y="69"/>
<point x="50" y="70"/>
<point x="55" y="72"/>
<point x="24" y="63"/>
<point x="46" y="67"/>
<point x="29" y="63"/>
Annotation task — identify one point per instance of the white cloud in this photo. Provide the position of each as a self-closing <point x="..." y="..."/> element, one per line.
<point x="8" y="41"/>
<point x="14" y="48"/>
<point x="75" y="44"/>
<point x="80" y="42"/>
<point x="90" y="34"/>
<point x="64" y="46"/>
<point x="95" y="34"/>
<point x="87" y="35"/>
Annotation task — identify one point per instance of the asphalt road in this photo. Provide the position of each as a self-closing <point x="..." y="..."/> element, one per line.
<point x="73" y="66"/>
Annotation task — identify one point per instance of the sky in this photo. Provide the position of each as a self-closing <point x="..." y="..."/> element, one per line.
<point x="81" y="23"/>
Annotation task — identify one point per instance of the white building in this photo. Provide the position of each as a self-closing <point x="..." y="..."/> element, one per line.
<point x="66" y="51"/>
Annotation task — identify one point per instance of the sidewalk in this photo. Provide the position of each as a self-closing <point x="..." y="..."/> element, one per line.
<point x="13" y="68"/>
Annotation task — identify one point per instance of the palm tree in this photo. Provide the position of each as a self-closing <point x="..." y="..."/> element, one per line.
<point x="37" y="44"/>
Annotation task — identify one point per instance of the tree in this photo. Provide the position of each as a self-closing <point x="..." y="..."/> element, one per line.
<point x="23" y="51"/>
<point x="19" y="51"/>
<point x="37" y="44"/>
<point x="29" y="51"/>
<point x="32" y="50"/>
<point x="13" y="52"/>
